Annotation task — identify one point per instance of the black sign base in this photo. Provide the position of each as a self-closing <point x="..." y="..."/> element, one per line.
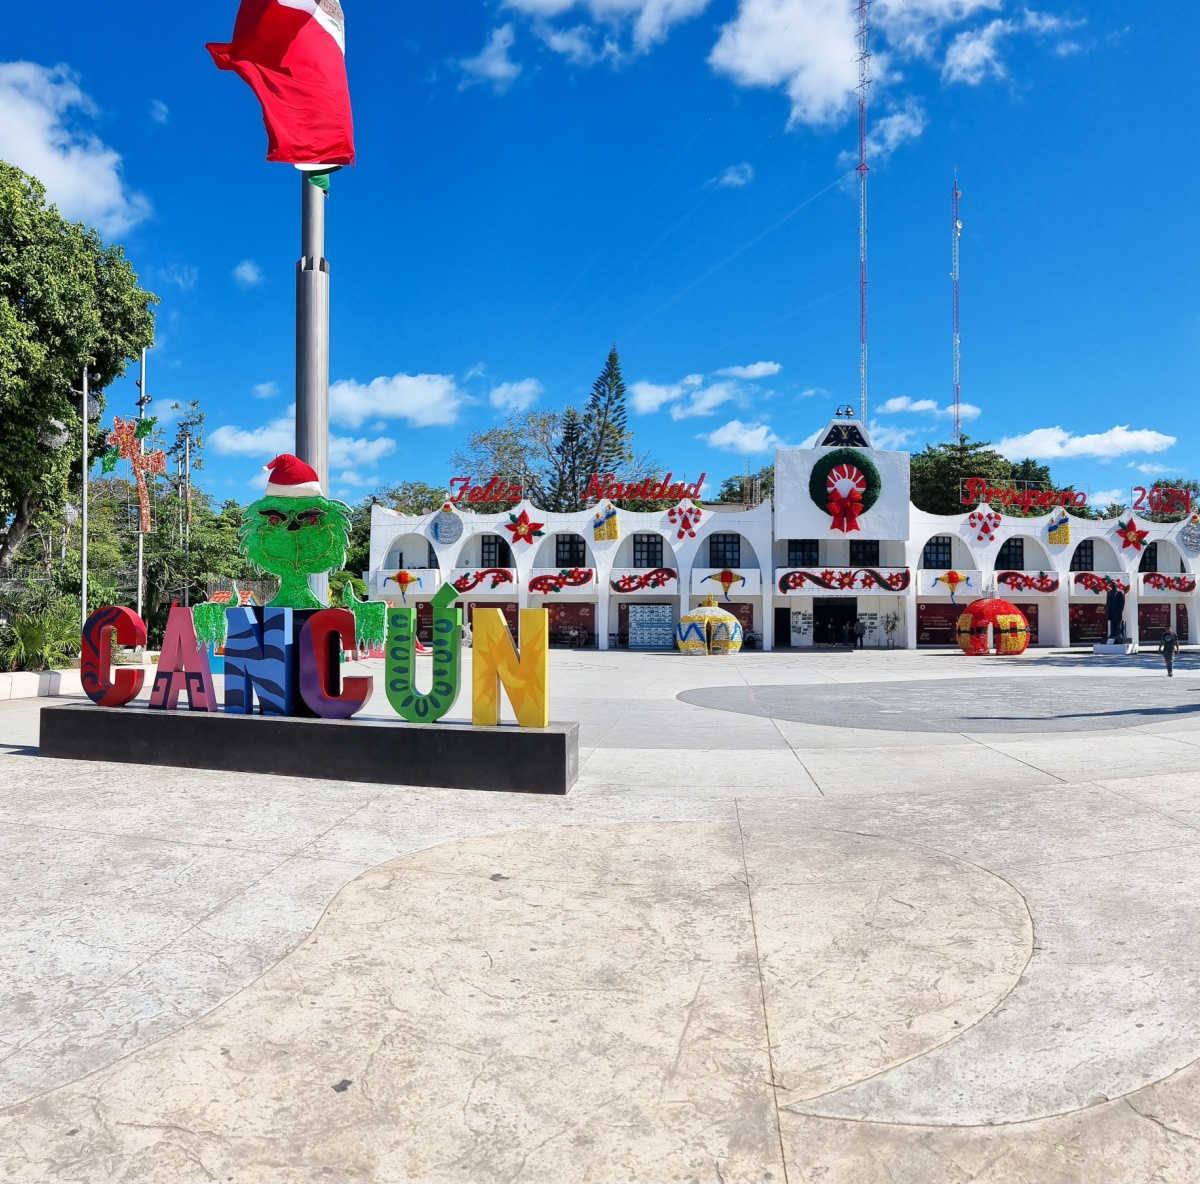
<point x="502" y="758"/>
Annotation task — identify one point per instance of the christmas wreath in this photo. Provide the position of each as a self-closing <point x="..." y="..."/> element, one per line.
<point x="845" y="484"/>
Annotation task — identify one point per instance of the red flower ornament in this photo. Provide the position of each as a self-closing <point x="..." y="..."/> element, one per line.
<point x="523" y="529"/>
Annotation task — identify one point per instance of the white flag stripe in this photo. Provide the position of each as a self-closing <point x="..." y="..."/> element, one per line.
<point x="314" y="9"/>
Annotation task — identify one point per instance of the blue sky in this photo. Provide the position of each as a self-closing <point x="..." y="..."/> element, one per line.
<point x="540" y="178"/>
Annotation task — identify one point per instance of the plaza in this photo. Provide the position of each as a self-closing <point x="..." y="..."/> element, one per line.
<point x="806" y="917"/>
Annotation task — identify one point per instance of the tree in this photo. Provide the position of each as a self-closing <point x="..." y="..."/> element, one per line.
<point x="571" y="451"/>
<point x="605" y="438"/>
<point x="1169" y="495"/>
<point x="937" y="473"/>
<point x="748" y="489"/>
<point x="525" y="451"/>
<point x="66" y="301"/>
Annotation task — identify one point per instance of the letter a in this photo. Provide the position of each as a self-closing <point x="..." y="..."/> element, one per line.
<point x="526" y="677"/>
<point x="183" y="667"/>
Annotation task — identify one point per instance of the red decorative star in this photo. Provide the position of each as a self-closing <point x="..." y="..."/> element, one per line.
<point x="1132" y="538"/>
<point x="523" y="529"/>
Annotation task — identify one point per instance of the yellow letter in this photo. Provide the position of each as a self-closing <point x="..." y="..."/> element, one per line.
<point x="526" y="677"/>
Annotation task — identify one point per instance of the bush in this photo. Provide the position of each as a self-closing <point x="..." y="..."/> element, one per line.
<point x="41" y="630"/>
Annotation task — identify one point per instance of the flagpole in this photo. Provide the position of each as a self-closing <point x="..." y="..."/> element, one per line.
<point x="312" y="344"/>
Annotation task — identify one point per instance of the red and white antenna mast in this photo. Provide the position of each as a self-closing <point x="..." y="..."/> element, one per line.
<point x="956" y="236"/>
<point x="864" y="81"/>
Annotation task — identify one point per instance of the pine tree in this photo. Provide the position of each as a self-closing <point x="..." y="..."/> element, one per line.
<point x="604" y="423"/>
<point x="570" y="453"/>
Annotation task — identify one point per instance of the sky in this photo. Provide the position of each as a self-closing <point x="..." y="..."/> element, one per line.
<point x="540" y="179"/>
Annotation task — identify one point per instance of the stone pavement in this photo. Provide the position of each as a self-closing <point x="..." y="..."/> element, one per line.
<point x="808" y="917"/>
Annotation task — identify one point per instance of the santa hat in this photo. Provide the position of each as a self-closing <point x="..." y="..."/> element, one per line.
<point x="291" y="476"/>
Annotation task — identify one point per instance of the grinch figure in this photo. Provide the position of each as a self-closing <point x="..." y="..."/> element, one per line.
<point x="294" y="532"/>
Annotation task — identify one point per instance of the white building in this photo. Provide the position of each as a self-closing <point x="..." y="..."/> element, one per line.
<point x="796" y="572"/>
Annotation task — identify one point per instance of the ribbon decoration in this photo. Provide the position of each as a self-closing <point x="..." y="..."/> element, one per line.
<point x="846" y="485"/>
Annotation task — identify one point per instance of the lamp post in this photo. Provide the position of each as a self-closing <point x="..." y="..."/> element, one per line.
<point x="143" y="401"/>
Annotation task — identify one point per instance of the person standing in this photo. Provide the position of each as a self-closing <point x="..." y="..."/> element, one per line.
<point x="860" y="629"/>
<point x="1168" y="647"/>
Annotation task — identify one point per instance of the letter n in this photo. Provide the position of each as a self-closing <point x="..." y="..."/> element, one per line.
<point x="526" y="677"/>
<point x="258" y="659"/>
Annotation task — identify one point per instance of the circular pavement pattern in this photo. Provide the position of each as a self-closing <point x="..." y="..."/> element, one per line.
<point x="1034" y="705"/>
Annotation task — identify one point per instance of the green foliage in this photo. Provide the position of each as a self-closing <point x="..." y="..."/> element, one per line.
<point x="344" y="586"/>
<point x="41" y="630"/>
<point x="66" y="300"/>
<point x="293" y="537"/>
<point x="747" y="489"/>
<point x="605" y="438"/>
<point x="1175" y="511"/>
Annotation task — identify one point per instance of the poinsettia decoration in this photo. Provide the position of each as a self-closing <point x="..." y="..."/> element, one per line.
<point x="1132" y="538"/>
<point x="523" y="529"/>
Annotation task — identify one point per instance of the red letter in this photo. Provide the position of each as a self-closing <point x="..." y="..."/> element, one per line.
<point x="466" y="483"/>
<point x="96" y="672"/>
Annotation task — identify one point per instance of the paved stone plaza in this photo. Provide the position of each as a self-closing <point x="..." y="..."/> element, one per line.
<point x="807" y="917"/>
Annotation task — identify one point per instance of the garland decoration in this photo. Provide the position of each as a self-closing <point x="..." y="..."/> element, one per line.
<point x="495" y="576"/>
<point x="845" y="484"/>
<point x="657" y="578"/>
<point x="1018" y="581"/>
<point x="567" y="578"/>
<point x="865" y="579"/>
<point x="1159" y="582"/>
<point x="1096" y="584"/>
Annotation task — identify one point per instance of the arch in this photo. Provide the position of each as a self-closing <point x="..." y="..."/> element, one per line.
<point x="623" y="558"/>
<point x="470" y="553"/>
<point x="1104" y="556"/>
<point x="1171" y="559"/>
<point x="962" y="558"/>
<point x="547" y="550"/>
<point x="1034" y="554"/>
<point x="416" y="550"/>
<point x="749" y="556"/>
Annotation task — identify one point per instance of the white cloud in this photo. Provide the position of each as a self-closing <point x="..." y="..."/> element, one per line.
<point x="906" y="404"/>
<point x="421" y="400"/>
<point x="743" y="439"/>
<point x="160" y="114"/>
<point x="1152" y="468"/>
<point x="1105" y="498"/>
<point x="264" y="391"/>
<point x="807" y="47"/>
<point x="248" y="273"/>
<point x="517" y="397"/>
<point x="41" y="132"/>
<point x="887" y="133"/>
<point x="492" y="64"/>
<point x="575" y="44"/>
<point x="1055" y="442"/>
<point x="354" y="479"/>
<point x="278" y="436"/>
<point x="737" y="176"/>
<point x="651" y="20"/>
<point x="476" y="372"/>
<point x="974" y="54"/>
<point x="650" y="397"/>
<point x="809" y="393"/>
<point x="184" y="277"/>
<point x="888" y="437"/>
<point x="704" y="401"/>
<point x="915" y="26"/>
<point x="758" y="370"/>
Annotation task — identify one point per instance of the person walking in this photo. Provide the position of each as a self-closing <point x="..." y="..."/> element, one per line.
<point x="860" y="629"/>
<point x="1168" y="647"/>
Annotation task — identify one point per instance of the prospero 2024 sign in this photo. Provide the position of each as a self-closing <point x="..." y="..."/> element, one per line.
<point x="287" y="655"/>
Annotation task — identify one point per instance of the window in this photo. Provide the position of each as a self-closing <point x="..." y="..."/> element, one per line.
<point x="725" y="550"/>
<point x="864" y="553"/>
<point x="491" y="551"/>
<point x="647" y="550"/>
<point x="1084" y="558"/>
<point x="1149" y="558"/>
<point x="937" y="554"/>
<point x="804" y="552"/>
<point x="1012" y="555"/>
<point x="433" y="559"/>
<point x="569" y="550"/>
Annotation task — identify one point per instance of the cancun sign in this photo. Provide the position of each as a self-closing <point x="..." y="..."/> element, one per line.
<point x="289" y="660"/>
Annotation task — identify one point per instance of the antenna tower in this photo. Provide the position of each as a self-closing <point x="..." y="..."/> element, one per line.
<point x="864" y="81"/>
<point x="956" y="229"/>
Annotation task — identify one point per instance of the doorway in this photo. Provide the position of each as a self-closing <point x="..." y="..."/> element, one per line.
<point x="783" y="628"/>
<point x="831" y="619"/>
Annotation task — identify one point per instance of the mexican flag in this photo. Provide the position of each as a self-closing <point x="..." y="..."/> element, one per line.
<point x="292" y="53"/>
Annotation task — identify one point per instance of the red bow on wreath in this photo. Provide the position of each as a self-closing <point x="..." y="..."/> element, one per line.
<point x="845" y="485"/>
